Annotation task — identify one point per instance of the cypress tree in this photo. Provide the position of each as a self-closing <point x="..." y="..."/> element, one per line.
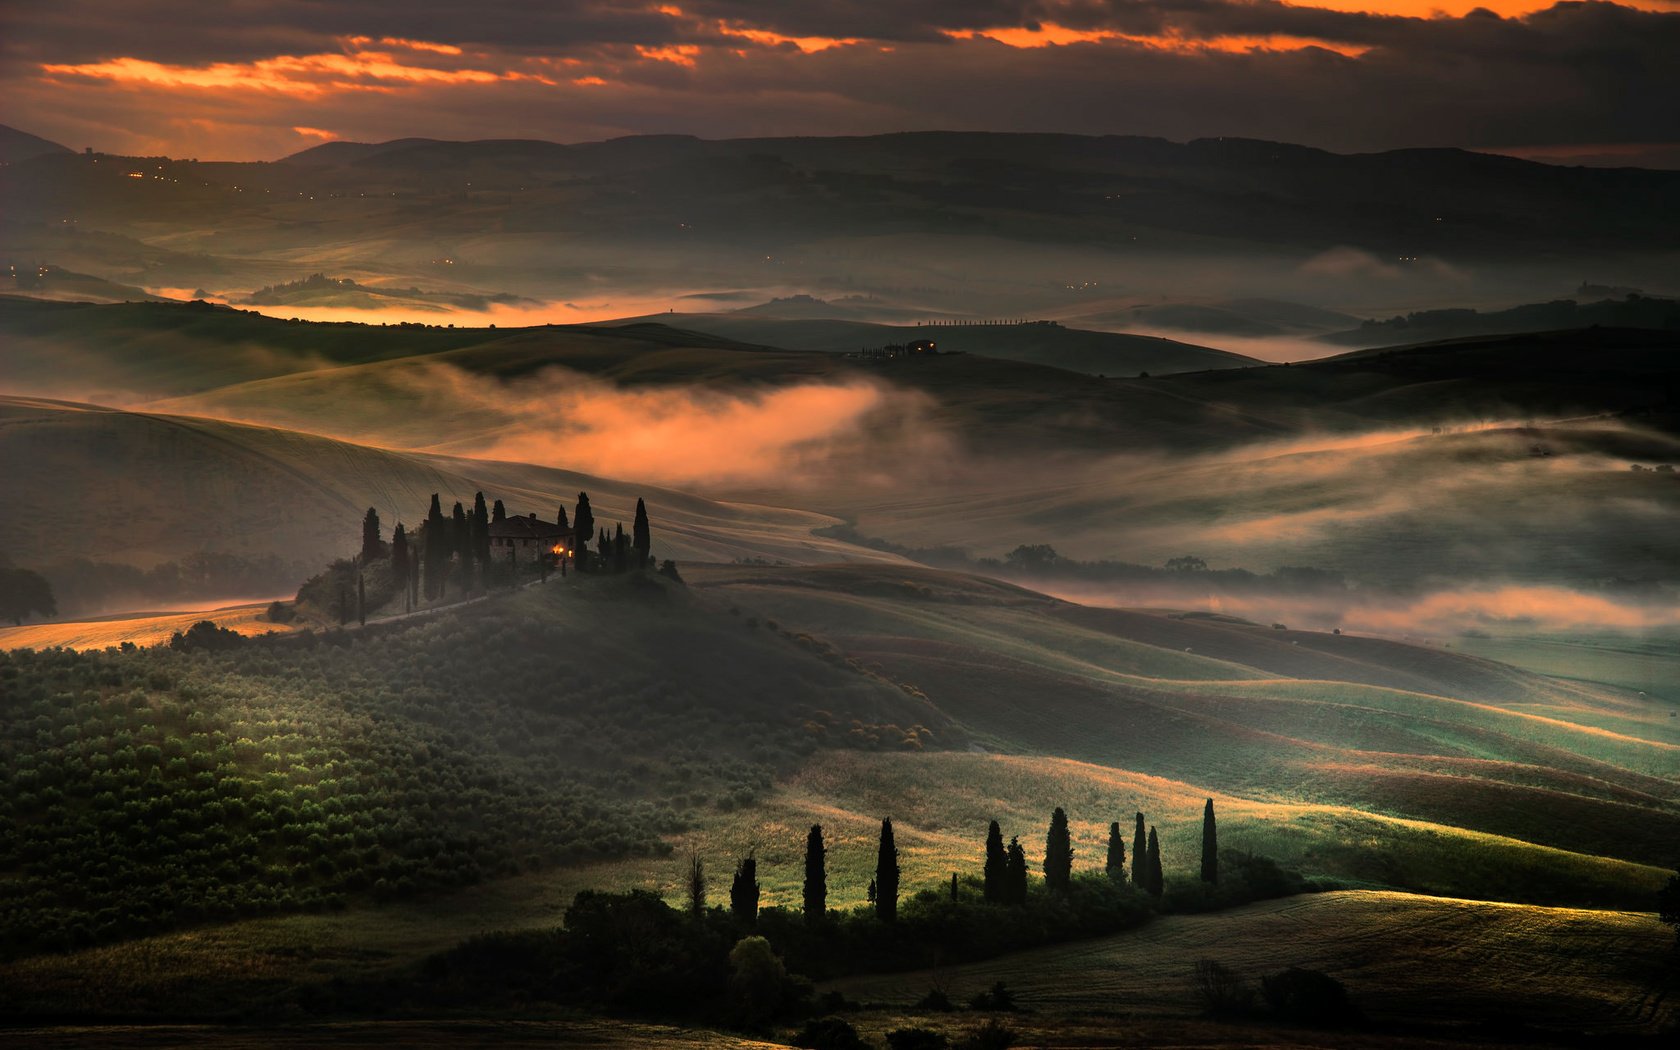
<point x="560" y="519"/>
<point x="953" y="886"/>
<point x="743" y="892"/>
<point x="1156" y="885"/>
<point x="1058" y="853"/>
<point x="498" y="513"/>
<point x="1140" y="865"/>
<point x="1210" y="845"/>
<point x="816" y="877"/>
<point x="373" y="547"/>
<point x="696" y="886"/>
<point x="460" y="533"/>
<point x="886" y="875"/>
<point x="620" y="549"/>
<point x="642" y="536"/>
<point x="1016" y="880"/>
<point x="583" y="529"/>
<point x="480" y="531"/>
<point x="399" y="554"/>
<point x="997" y="866"/>
<point x="603" y="547"/>
<point x="1116" y="866"/>
<point x="434" y="548"/>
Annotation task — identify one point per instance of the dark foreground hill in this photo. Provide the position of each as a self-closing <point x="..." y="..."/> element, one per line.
<point x="423" y="781"/>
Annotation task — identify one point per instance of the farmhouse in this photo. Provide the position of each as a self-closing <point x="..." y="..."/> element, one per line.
<point x="528" y="538"/>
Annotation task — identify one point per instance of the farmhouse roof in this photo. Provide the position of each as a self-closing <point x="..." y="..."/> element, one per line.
<point x="526" y="528"/>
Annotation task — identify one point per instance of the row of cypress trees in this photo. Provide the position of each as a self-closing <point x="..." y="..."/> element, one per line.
<point x="1004" y="874"/>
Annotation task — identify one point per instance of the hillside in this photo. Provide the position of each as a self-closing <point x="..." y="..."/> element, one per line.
<point x="1633" y="311"/>
<point x="1404" y="959"/>
<point x="593" y="731"/>
<point x="152" y="487"/>
<point x="1073" y="349"/>
<point x="1340" y="720"/>
<point x="923" y="225"/>
<point x="16" y="146"/>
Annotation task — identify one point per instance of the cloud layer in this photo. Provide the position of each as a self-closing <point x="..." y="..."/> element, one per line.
<point x="260" y="80"/>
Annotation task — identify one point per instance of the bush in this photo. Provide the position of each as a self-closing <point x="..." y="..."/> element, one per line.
<point x="1308" y="997"/>
<point x="829" y="1033"/>
<point x="917" y="1039"/>
<point x="935" y="1001"/>
<point x="992" y="1035"/>
<point x="205" y="636"/>
<point x="1222" y="991"/>
<point x="756" y="980"/>
<point x="996" y="998"/>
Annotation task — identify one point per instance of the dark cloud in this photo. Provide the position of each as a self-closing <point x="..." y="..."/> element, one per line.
<point x="1589" y="73"/>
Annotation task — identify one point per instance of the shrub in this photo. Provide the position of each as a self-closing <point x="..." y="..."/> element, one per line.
<point x="1222" y="991"/>
<point x="1308" y="997"/>
<point x="992" y="1035"/>
<point x="829" y="1033"/>
<point x="995" y="998"/>
<point x="917" y="1039"/>
<point x="935" y="1001"/>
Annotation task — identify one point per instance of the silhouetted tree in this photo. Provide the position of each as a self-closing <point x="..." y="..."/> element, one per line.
<point x="373" y="546"/>
<point x="1153" y="858"/>
<point x="399" y="554"/>
<point x="560" y="519"/>
<point x="1210" y="845"/>
<point x="642" y="536"/>
<point x="1017" y="873"/>
<point x="696" y="886"/>
<point x="620" y="549"/>
<point x="1140" y="857"/>
<point x="460" y="533"/>
<point x="886" y="875"/>
<point x="583" y="527"/>
<point x="498" y="513"/>
<point x="480" y="531"/>
<point x="953" y="885"/>
<point x="23" y="593"/>
<point x="436" y="550"/>
<point x="816" y="877"/>
<point x="1116" y="865"/>
<point x="1668" y="904"/>
<point x="1058" y="853"/>
<point x="743" y="892"/>
<point x="997" y="866"/>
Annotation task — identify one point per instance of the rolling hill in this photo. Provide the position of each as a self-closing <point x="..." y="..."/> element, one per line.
<point x="1073" y="349"/>
<point x="1376" y="764"/>
<point x="152" y="487"/>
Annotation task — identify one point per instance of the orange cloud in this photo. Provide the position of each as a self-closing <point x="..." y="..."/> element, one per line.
<point x="1052" y="35"/>
<point x="355" y="69"/>
<point x="1458" y="8"/>
<point x="806" y="44"/>
<point x="676" y="54"/>
<point x="314" y="133"/>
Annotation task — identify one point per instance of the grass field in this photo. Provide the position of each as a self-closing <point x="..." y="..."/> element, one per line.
<point x="1403" y="958"/>
<point x="140" y="628"/>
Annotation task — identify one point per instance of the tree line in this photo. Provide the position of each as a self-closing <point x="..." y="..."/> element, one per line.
<point x="1004" y="872"/>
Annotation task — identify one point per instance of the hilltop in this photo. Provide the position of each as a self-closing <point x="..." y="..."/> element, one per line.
<point x="1069" y="348"/>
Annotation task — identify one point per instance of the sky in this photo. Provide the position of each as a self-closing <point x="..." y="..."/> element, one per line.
<point x="1593" y="82"/>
